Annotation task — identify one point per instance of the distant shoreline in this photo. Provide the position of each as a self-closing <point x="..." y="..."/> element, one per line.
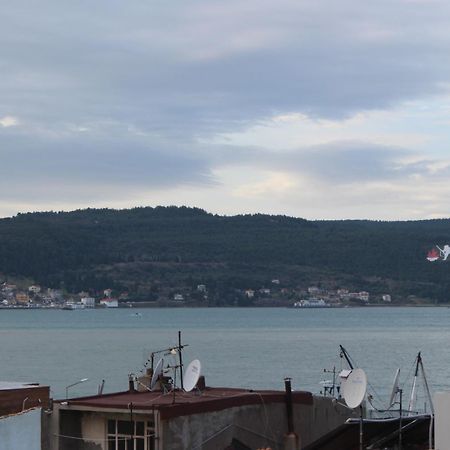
<point x="128" y="308"/>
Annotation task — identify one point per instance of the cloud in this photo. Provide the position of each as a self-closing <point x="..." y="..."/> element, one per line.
<point x="353" y="162"/>
<point x="221" y="65"/>
<point x="8" y="121"/>
<point x="273" y="183"/>
<point x="75" y="164"/>
<point x="123" y="101"/>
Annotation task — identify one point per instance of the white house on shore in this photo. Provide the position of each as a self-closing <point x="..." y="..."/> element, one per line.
<point x="110" y="302"/>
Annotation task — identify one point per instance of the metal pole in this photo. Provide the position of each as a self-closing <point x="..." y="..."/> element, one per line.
<point x="345" y="355"/>
<point x="430" y="431"/>
<point x="413" y="390"/>
<point x="132" y="427"/>
<point x="400" y="421"/>
<point x="174" y="387"/>
<point x="334" y="380"/>
<point x="180" y="348"/>
<point x="361" y="433"/>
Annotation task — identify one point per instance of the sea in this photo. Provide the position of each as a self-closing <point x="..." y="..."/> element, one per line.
<point x="254" y="348"/>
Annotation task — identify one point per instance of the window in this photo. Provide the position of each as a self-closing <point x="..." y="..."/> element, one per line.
<point x="130" y="435"/>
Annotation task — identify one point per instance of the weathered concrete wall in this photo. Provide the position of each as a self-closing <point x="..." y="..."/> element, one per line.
<point x="441" y="402"/>
<point x="70" y="430"/>
<point x="254" y="425"/>
<point x="258" y="426"/>
<point x="21" y="431"/>
<point x="93" y="428"/>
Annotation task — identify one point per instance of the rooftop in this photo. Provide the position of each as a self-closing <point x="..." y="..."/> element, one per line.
<point x="184" y="403"/>
<point x="13" y="385"/>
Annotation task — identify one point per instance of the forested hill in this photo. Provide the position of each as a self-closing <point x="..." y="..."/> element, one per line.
<point x="141" y="249"/>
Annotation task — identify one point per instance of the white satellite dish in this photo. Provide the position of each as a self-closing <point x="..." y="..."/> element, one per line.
<point x="157" y="373"/>
<point x="192" y="375"/>
<point x="394" y="388"/>
<point x="354" y="388"/>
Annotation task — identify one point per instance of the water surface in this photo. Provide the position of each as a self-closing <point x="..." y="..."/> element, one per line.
<point x="254" y="347"/>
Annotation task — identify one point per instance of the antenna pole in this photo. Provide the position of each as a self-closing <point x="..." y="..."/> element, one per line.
<point x="174" y="385"/>
<point x="400" y="391"/>
<point x="180" y="348"/>
<point x="425" y="382"/>
<point x="334" y="381"/>
<point x="345" y="355"/>
<point x="413" y="390"/>
<point x="361" y="433"/>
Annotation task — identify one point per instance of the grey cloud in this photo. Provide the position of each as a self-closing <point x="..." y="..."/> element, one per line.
<point x="337" y="163"/>
<point x="353" y="162"/>
<point x="204" y="66"/>
<point x="176" y="71"/>
<point x="78" y="165"/>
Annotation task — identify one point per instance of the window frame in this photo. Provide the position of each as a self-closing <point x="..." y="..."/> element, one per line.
<point x="114" y="439"/>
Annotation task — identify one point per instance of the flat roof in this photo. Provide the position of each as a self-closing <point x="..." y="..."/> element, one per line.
<point x="186" y="403"/>
<point x="13" y="385"/>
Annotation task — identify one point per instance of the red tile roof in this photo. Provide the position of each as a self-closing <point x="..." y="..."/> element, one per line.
<point x="186" y="403"/>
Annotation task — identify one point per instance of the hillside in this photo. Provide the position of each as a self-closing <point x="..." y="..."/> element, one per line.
<point x="150" y="251"/>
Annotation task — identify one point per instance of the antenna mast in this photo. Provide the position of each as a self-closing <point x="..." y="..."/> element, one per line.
<point x="412" y="399"/>
<point x="180" y="348"/>
<point x="346" y="356"/>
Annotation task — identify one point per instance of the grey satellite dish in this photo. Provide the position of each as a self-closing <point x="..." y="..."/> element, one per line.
<point x="394" y="388"/>
<point x="192" y="375"/>
<point x="157" y="373"/>
<point x="354" y="388"/>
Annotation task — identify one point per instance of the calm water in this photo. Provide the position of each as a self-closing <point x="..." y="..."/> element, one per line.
<point x="253" y="348"/>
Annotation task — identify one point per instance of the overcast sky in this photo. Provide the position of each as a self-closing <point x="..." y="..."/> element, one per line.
<point x="317" y="109"/>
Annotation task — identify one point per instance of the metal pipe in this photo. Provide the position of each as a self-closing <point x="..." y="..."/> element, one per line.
<point x="289" y="410"/>
<point x="400" y="420"/>
<point x="361" y="431"/>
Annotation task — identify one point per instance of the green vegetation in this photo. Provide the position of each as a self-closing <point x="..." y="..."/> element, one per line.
<point x="153" y="252"/>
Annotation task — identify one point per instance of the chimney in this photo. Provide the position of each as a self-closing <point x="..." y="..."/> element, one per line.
<point x="201" y="383"/>
<point x="291" y="440"/>
<point x="131" y="388"/>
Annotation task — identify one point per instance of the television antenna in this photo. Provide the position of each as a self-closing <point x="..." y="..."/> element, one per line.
<point x="174" y="350"/>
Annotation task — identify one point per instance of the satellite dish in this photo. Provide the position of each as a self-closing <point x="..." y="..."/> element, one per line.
<point x="394" y="388"/>
<point x="157" y="373"/>
<point x="192" y="375"/>
<point x="354" y="388"/>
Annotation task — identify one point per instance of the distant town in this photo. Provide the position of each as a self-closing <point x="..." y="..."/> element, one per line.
<point x="34" y="296"/>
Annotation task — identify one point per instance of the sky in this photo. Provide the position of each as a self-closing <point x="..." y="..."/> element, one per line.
<point x="320" y="109"/>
